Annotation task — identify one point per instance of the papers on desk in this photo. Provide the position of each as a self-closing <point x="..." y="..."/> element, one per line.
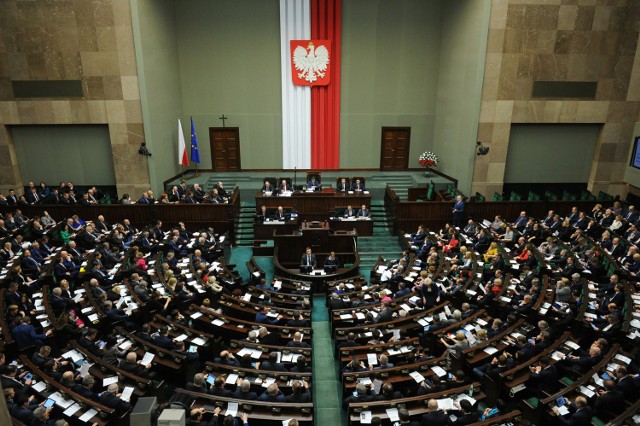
<point x="346" y="316"/>
<point x="268" y="381"/>
<point x="445" y="404"/>
<point x="597" y="380"/>
<point x="364" y="380"/>
<point x="93" y="317"/>
<point x="360" y="315"/>
<point x="439" y="371"/>
<point x="84" y="369"/>
<point x="557" y="355"/>
<point x="372" y="359"/>
<point x="462" y="396"/>
<point x="490" y="350"/>
<point x="232" y="379"/>
<point x="586" y="391"/>
<point x="419" y="378"/>
<point x="60" y="400"/>
<point x="198" y="341"/>
<point x="108" y="380"/>
<point x="572" y="345"/>
<point x="393" y="414"/>
<point x="126" y="393"/>
<point x="218" y="322"/>
<point x="147" y="358"/>
<point x="423" y="322"/>
<point x="73" y="354"/>
<point x="288" y="357"/>
<point x="365" y="417"/>
<point x="88" y="415"/>
<point x="71" y="410"/>
<point x="39" y="387"/>
<point x="255" y="354"/>
<point x="563" y="410"/>
<point x="623" y="358"/>
<point x="125" y="345"/>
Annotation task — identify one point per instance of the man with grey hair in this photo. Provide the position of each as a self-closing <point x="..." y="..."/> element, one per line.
<point x="244" y="391"/>
<point x="111" y="398"/>
<point x="360" y="396"/>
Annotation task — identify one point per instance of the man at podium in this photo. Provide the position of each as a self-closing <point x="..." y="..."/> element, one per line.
<point x="308" y="261"/>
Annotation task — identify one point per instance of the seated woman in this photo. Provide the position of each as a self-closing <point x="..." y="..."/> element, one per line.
<point x="77" y="222"/>
<point x="491" y="252"/>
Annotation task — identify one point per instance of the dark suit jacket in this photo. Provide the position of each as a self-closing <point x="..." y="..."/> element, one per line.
<point x="305" y="262"/>
<point x="114" y="402"/>
<point x="609" y="404"/>
<point x="581" y="417"/>
<point x="435" y="418"/>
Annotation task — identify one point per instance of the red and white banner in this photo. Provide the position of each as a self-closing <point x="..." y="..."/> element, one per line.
<point x="310" y="62"/>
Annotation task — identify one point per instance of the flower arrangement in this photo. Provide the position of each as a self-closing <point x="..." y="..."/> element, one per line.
<point x="428" y="159"/>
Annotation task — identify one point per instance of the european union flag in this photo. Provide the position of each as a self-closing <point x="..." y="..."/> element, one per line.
<point x="195" y="154"/>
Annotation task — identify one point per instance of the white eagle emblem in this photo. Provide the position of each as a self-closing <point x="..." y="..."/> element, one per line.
<point x="312" y="64"/>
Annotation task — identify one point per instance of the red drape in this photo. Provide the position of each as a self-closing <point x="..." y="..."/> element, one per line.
<point x="326" y="23"/>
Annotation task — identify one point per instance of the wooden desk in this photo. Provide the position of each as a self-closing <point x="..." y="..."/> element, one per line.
<point x="364" y="227"/>
<point x="314" y="205"/>
<point x="264" y="231"/>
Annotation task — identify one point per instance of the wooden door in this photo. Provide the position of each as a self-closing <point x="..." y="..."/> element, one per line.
<point x="394" y="154"/>
<point x="225" y="149"/>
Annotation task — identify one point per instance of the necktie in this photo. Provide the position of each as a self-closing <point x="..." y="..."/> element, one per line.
<point x="36" y="197"/>
<point x="308" y="260"/>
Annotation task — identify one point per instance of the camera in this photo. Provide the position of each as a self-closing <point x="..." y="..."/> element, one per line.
<point x="143" y="150"/>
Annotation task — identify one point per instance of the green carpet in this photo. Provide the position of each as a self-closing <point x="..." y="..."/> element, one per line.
<point x="327" y="389"/>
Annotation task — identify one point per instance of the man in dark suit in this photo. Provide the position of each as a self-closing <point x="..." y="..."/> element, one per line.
<point x="434" y="416"/>
<point x="458" y="212"/>
<point x="632" y="215"/>
<point x="466" y="415"/>
<point x="284" y="187"/>
<point x="343" y="186"/>
<point x="244" y="391"/>
<point x="521" y="222"/>
<point x="386" y="314"/>
<point x="262" y="317"/>
<point x="111" y="399"/>
<point x="544" y="377"/>
<point x="308" y="260"/>
<point x="626" y="383"/>
<point x="297" y="341"/>
<point x="280" y="214"/>
<point x="610" y="401"/>
<point x="272" y="363"/>
<point x="363" y="212"/>
<point x="262" y="215"/>
<point x="12" y="198"/>
<point x="131" y="365"/>
<point x="349" y="212"/>
<point x="580" y="417"/>
<point x="163" y="340"/>
<point x="357" y="186"/>
<point x="25" y="335"/>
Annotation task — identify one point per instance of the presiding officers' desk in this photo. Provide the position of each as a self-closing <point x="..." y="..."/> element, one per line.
<point x="265" y="230"/>
<point x="288" y="250"/>
<point x="314" y="206"/>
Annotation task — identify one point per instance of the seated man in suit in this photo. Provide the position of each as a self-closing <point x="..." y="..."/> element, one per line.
<point x="363" y="212"/>
<point x="357" y="186"/>
<point x="262" y="215"/>
<point x="580" y="417"/>
<point x="308" y="260"/>
<point x="349" y="212"/>
<point x="267" y="188"/>
<point x="280" y="214"/>
<point x="343" y="185"/>
<point x="313" y="184"/>
<point x="111" y="398"/>
<point x="285" y="187"/>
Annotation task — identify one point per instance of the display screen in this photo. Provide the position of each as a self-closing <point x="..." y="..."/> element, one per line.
<point x="635" y="158"/>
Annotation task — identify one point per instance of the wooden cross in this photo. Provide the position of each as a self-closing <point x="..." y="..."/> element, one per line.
<point x="223" y="118"/>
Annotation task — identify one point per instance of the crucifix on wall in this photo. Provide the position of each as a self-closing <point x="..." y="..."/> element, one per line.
<point x="223" y="118"/>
